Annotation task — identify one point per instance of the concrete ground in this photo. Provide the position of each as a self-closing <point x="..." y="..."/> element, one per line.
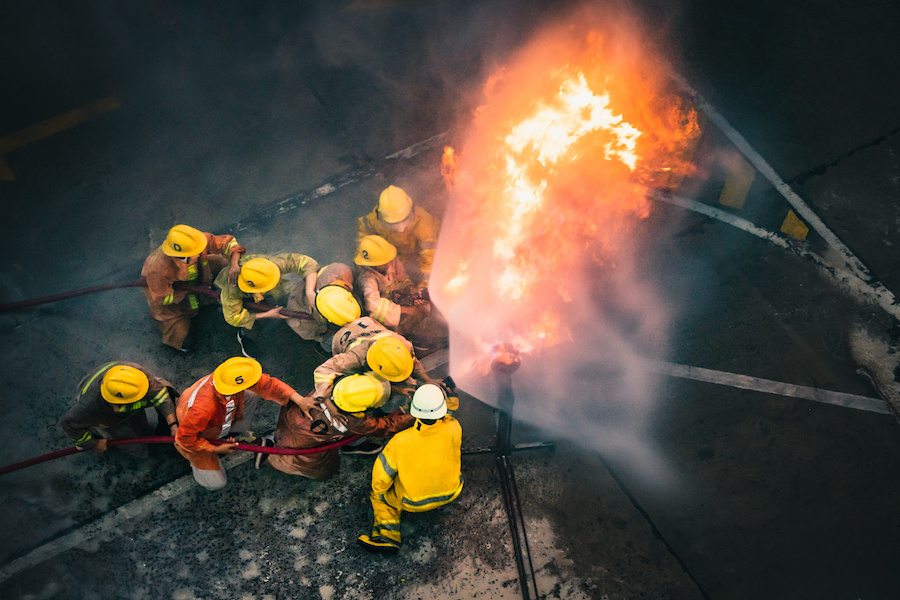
<point x="280" y="124"/>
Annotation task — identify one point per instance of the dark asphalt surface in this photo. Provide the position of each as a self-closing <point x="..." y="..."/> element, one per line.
<point x="228" y="108"/>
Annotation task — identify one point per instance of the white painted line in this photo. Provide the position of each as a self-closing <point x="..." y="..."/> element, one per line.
<point x="435" y="360"/>
<point x="725" y="217"/>
<point x="861" y="277"/>
<point x="745" y="382"/>
<point x="851" y="283"/>
<point x="769" y="173"/>
<point x="418" y="148"/>
<point x="111" y="522"/>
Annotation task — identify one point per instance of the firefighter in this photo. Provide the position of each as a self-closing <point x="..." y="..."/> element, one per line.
<point x="333" y="305"/>
<point x="418" y="470"/>
<point x="411" y="229"/>
<point x="351" y="409"/>
<point x="110" y="404"/>
<point x="364" y="345"/>
<point x="219" y="405"/>
<point x="383" y="282"/>
<point x="262" y="276"/>
<point x="191" y="256"/>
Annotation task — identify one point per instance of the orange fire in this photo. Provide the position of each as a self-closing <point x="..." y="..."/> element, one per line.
<point x="556" y="166"/>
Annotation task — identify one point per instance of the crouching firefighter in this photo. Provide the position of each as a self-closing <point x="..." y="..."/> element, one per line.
<point x="220" y="405"/>
<point x="418" y="470"/>
<point x="351" y="409"/>
<point x="111" y="403"/>
<point x="333" y="305"/>
<point x="192" y="256"/>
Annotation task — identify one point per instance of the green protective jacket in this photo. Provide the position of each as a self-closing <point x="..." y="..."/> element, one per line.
<point x="232" y="298"/>
<point x="91" y="410"/>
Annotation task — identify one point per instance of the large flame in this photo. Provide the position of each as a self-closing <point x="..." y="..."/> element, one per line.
<point x="555" y="167"/>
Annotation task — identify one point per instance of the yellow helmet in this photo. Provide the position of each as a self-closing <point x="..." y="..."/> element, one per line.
<point x="394" y="205"/>
<point x="236" y="374"/>
<point x="184" y="240"/>
<point x="258" y="275"/>
<point x="123" y="385"/>
<point x="389" y="358"/>
<point x="357" y="393"/>
<point x="374" y="251"/>
<point x="337" y="305"/>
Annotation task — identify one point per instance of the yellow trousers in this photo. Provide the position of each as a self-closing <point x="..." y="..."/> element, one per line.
<point x="387" y="508"/>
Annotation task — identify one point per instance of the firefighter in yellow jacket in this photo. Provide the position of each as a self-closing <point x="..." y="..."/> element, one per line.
<point x="261" y="277"/>
<point x="418" y="470"/>
<point x="411" y="229"/>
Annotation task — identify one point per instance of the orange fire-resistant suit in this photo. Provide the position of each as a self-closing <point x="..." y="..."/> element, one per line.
<point x="415" y="245"/>
<point x="349" y="348"/>
<point x="328" y="424"/>
<point x="418" y="470"/>
<point x="171" y="310"/>
<point x="317" y="328"/>
<point x="204" y="414"/>
<point x="232" y="298"/>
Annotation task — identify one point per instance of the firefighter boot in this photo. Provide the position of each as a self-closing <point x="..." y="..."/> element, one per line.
<point x="378" y="544"/>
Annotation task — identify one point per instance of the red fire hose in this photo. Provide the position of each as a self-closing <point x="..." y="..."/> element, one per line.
<point x="193" y="289"/>
<point x="73" y="294"/>
<point x="168" y="440"/>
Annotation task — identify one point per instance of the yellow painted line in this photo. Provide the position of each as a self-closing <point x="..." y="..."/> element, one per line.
<point x="50" y="127"/>
<point x="794" y="227"/>
<point x="737" y="183"/>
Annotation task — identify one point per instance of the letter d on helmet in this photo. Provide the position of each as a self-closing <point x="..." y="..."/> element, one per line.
<point x="183" y="241"/>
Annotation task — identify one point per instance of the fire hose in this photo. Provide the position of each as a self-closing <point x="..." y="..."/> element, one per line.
<point x="168" y="440"/>
<point x="179" y="285"/>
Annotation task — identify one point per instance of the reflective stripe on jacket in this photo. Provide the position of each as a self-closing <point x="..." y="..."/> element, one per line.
<point x="232" y="298"/>
<point x="91" y="410"/>
<point x="376" y="287"/>
<point x="350" y="347"/>
<point x="415" y="244"/>
<point x="423" y="463"/>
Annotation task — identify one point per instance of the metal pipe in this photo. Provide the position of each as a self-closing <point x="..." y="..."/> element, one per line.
<point x="505" y="363"/>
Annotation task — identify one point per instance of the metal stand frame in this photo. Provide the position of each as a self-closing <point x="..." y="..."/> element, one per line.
<point x="503" y="367"/>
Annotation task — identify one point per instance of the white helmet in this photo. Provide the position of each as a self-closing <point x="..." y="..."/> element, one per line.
<point x="429" y="402"/>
